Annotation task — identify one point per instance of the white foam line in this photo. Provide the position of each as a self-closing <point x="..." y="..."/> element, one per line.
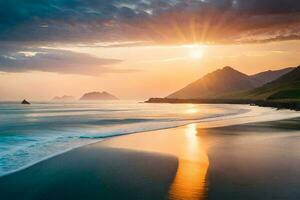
<point x="48" y="157"/>
<point x="287" y="115"/>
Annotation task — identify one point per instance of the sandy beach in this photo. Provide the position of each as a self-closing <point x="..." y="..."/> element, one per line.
<point x="149" y="100"/>
<point x="250" y="161"/>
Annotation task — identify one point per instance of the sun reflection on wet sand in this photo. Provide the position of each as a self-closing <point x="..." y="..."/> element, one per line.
<point x="187" y="145"/>
<point x="189" y="182"/>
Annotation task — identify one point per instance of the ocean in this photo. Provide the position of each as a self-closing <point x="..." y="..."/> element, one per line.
<point x="32" y="133"/>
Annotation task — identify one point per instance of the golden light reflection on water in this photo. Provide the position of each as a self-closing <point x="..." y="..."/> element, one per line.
<point x="192" y="109"/>
<point x="189" y="182"/>
<point x="187" y="145"/>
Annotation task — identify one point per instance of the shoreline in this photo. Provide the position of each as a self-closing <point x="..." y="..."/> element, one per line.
<point x="178" y="162"/>
<point x="290" y="105"/>
<point x="206" y="123"/>
<point x="150" y="164"/>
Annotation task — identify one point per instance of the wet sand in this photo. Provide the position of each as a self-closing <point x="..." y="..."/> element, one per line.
<point x="251" y="161"/>
<point x="93" y="173"/>
<point x="255" y="161"/>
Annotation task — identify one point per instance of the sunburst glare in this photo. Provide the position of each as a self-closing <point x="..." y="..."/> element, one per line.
<point x="195" y="51"/>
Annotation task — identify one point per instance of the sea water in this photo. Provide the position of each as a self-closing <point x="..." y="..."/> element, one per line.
<point x="32" y="133"/>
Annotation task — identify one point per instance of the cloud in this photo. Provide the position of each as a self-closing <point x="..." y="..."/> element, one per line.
<point x="151" y="21"/>
<point x="26" y="26"/>
<point x="58" y="61"/>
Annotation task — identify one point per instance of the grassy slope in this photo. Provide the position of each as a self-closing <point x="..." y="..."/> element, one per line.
<point x="286" y="87"/>
<point x="286" y="94"/>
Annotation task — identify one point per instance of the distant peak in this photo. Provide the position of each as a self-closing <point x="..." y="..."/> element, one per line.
<point x="225" y="71"/>
<point x="98" y="96"/>
<point x="62" y="98"/>
<point x="228" y="68"/>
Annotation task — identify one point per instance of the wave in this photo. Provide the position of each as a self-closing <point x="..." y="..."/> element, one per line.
<point x="30" y="138"/>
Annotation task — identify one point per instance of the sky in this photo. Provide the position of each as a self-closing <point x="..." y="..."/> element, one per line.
<point x="136" y="49"/>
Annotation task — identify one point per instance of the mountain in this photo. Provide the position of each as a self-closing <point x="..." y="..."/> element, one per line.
<point x="224" y="81"/>
<point x="218" y="82"/>
<point x="268" y="76"/>
<point x="63" y="98"/>
<point x="285" y="87"/>
<point x="98" y="96"/>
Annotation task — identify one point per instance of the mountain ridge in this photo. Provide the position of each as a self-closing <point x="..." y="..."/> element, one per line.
<point x="285" y="87"/>
<point x="212" y="84"/>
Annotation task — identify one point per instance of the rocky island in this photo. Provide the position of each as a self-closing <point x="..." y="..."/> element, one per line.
<point x="25" y="102"/>
<point x="63" y="98"/>
<point x="98" y="96"/>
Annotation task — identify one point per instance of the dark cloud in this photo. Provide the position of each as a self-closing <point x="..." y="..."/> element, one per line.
<point x="59" y="61"/>
<point x="268" y="6"/>
<point x="88" y="21"/>
<point x="35" y="23"/>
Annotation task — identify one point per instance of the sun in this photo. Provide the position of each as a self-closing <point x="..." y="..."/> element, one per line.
<point x="195" y="51"/>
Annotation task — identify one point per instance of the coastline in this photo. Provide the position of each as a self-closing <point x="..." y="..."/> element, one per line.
<point x="118" y="157"/>
<point x="249" y="114"/>
<point x="291" y="105"/>
<point x="175" y="163"/>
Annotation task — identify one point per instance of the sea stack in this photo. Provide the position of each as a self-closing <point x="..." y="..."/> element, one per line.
<point x="25" y="102"/>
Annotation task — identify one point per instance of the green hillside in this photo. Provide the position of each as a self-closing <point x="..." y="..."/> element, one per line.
<point x="286" y="94"/>
<point x="224" y="81"/>
<point x="287" y="87"/>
